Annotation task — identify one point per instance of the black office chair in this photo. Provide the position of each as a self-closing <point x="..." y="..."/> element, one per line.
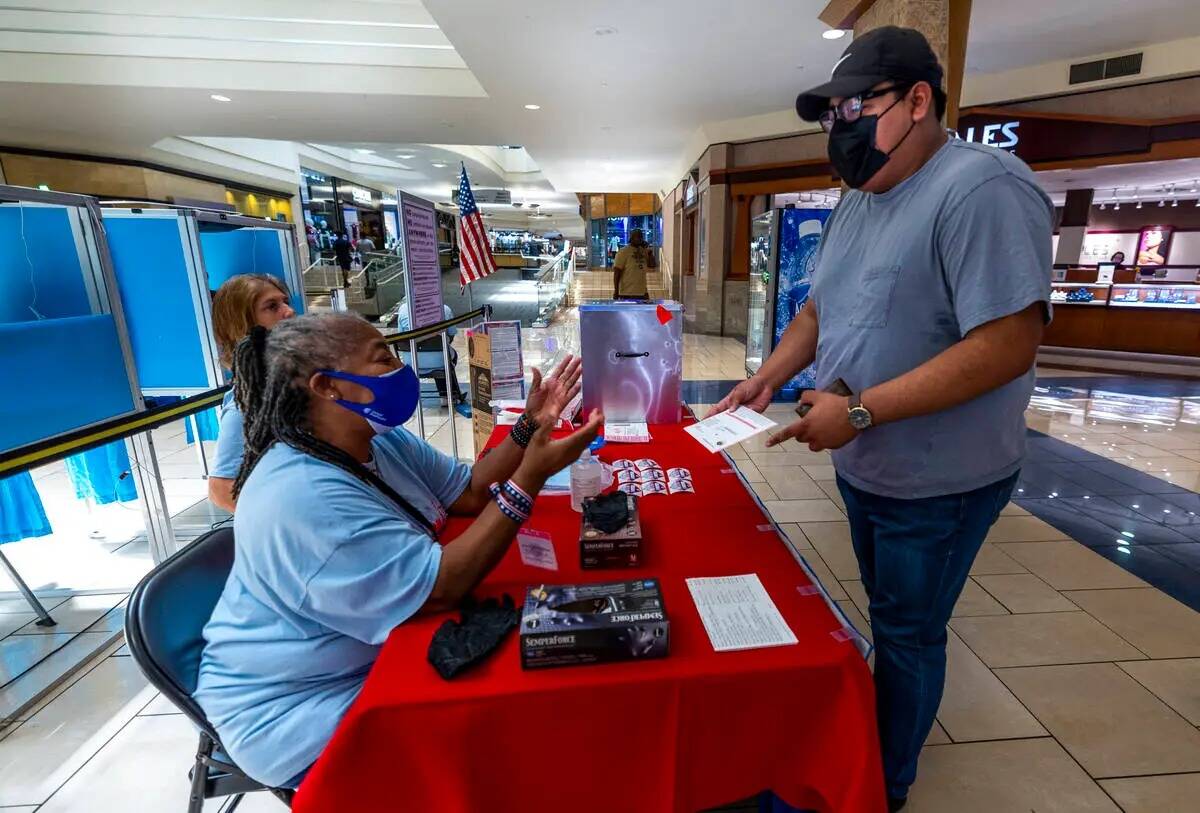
<point x="164" y="623"/>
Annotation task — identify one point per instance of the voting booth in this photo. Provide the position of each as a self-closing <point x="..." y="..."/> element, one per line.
<point x="63" y="344"/>
<point x="168" y="263"/>
<point x="633" y="355"/>
<point x="62" y="333"/>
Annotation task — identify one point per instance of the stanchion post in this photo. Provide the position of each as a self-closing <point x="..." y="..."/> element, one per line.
<point x="195" y="420"/>
<point x="44" y="619"/>
<point x="451" y="395"/>
<point x="412" y="358"/>
<point x="159" y="532"/>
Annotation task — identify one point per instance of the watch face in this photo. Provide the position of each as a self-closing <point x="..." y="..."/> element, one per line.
<point x="860" y="418"/>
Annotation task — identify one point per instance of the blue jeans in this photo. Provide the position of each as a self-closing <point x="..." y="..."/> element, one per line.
<point x="914" y="556"/>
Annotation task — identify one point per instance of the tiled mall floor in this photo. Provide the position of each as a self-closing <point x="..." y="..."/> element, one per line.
<point x="1073" y="683"/>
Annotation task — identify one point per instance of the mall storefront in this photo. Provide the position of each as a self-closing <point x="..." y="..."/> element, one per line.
<point x="110" y="179"/>
<point x="332" y="206"/>
<point x="1126" y="278"/>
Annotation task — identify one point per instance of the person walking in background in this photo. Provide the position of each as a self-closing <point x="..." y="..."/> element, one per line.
<point x="930" y="293"/>
<point x="341" y="250"/>
<point x="365" y="246"/>
<point x="630" y="267"/>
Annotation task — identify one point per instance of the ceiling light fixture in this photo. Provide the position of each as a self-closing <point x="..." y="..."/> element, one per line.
<point x="1139" y="204"/>
<point x="405" y="157"/>
<point x="834" y="33"/>
<point x="217" y="97"/>
<point x="439" y="165"/>
<point x="364" y="151"/>
<point x="533" y="107"/>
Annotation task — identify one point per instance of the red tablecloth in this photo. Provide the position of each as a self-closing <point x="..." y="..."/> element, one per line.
<point x="694" y="730"/>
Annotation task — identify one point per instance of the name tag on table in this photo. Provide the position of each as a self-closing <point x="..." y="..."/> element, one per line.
<point x="537" y="550"/>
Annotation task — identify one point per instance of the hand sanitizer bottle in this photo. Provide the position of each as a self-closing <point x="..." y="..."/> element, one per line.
<point x="587" y="475"/>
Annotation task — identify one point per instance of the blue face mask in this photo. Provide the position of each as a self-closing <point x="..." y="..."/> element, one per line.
<point x="395" y="397"/>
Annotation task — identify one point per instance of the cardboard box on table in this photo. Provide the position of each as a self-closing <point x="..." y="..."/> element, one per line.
<point x="479" y="353"/>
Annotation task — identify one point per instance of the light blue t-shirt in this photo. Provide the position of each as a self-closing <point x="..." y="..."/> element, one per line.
<point x="325" y="567"/>
<point x="230" y="441"/>
<point x="902" y="276"/>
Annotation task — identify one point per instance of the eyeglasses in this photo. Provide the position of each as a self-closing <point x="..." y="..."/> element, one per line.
<point x="850" y="108"/>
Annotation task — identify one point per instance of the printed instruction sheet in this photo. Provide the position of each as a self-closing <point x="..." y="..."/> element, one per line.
<point x="738" y="613"/>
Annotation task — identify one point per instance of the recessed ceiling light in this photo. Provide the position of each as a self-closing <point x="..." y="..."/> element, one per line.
<point x="533" y="107"/>
<point x="439" y="164"/>
<point x="834" y="34"/>
<point x="217" y="97"/>
<point x="364" y="151"/>
<point x="405" y="156"/>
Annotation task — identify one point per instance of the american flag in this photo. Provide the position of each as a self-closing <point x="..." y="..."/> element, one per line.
<point x="475" y="256"/>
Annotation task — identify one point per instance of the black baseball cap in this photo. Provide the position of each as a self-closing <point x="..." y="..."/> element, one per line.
<point x="880" y="55"/>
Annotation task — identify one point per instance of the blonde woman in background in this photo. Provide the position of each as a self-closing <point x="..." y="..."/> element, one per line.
<point x="241" y="303"/>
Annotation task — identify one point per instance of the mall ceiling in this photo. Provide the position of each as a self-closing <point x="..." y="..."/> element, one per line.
<point x="625" y="88"/>
<point x="1149" y="181"/>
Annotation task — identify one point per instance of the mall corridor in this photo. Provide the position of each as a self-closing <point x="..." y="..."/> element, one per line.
<point x="688" y="406"/>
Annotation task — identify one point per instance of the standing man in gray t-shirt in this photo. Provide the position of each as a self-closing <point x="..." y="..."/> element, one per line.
<point x="930" y="293"/>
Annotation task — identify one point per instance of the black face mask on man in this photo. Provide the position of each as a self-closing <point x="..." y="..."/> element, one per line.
<point x="852" y="149"/>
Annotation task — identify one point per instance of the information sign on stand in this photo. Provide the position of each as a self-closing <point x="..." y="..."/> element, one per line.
<point x="497" y="374"/>
<point x="422" y="274"/>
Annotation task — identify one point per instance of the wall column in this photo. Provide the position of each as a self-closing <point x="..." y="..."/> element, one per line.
<point x="943" y="22"/>
<point x="1077" y="208"/>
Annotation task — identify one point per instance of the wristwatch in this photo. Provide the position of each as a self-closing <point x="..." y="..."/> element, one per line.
<point x="860" y="416"/>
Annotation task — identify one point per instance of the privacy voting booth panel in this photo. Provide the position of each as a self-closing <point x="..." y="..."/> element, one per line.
<point x="60" y="345"/>
<point x="168" y="264"/>
<point x="231" y="249"/>
<point x="165" y="297"/>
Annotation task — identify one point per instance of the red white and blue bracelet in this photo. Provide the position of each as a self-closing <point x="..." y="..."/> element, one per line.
<point x="512" y="501"/>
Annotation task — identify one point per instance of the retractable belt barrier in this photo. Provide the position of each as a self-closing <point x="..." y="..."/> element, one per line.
<point x="41" y="452"/>
<point x="45" y="451"/>
<point x="482" y="312"/>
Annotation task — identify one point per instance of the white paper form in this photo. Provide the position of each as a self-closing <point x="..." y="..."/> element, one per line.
<point x="729" y="428"/>
<point x="738" y="613"/>
<point x="630" y="432"/>
<point x="506" y="351"/>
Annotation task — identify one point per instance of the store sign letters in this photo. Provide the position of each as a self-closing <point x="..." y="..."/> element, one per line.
<point x="1002" y="136"/>
<point x="1036" y="138"/>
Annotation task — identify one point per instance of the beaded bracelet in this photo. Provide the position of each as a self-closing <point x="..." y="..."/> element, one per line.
<point x="506" y="507"/>
<point x="523" y="429"/>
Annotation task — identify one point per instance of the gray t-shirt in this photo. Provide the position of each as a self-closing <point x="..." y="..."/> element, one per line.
<point x="905" y="274"/>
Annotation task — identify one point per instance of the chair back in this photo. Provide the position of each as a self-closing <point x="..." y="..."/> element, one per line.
<point x="164" y="622"/>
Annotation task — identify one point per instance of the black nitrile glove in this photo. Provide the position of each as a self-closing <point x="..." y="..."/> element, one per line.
<point x="608" y="513"/>
<point x="458" y="645"/>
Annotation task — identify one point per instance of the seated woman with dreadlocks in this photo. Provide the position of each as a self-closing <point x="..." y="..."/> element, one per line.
<point x="337" y="519"/>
